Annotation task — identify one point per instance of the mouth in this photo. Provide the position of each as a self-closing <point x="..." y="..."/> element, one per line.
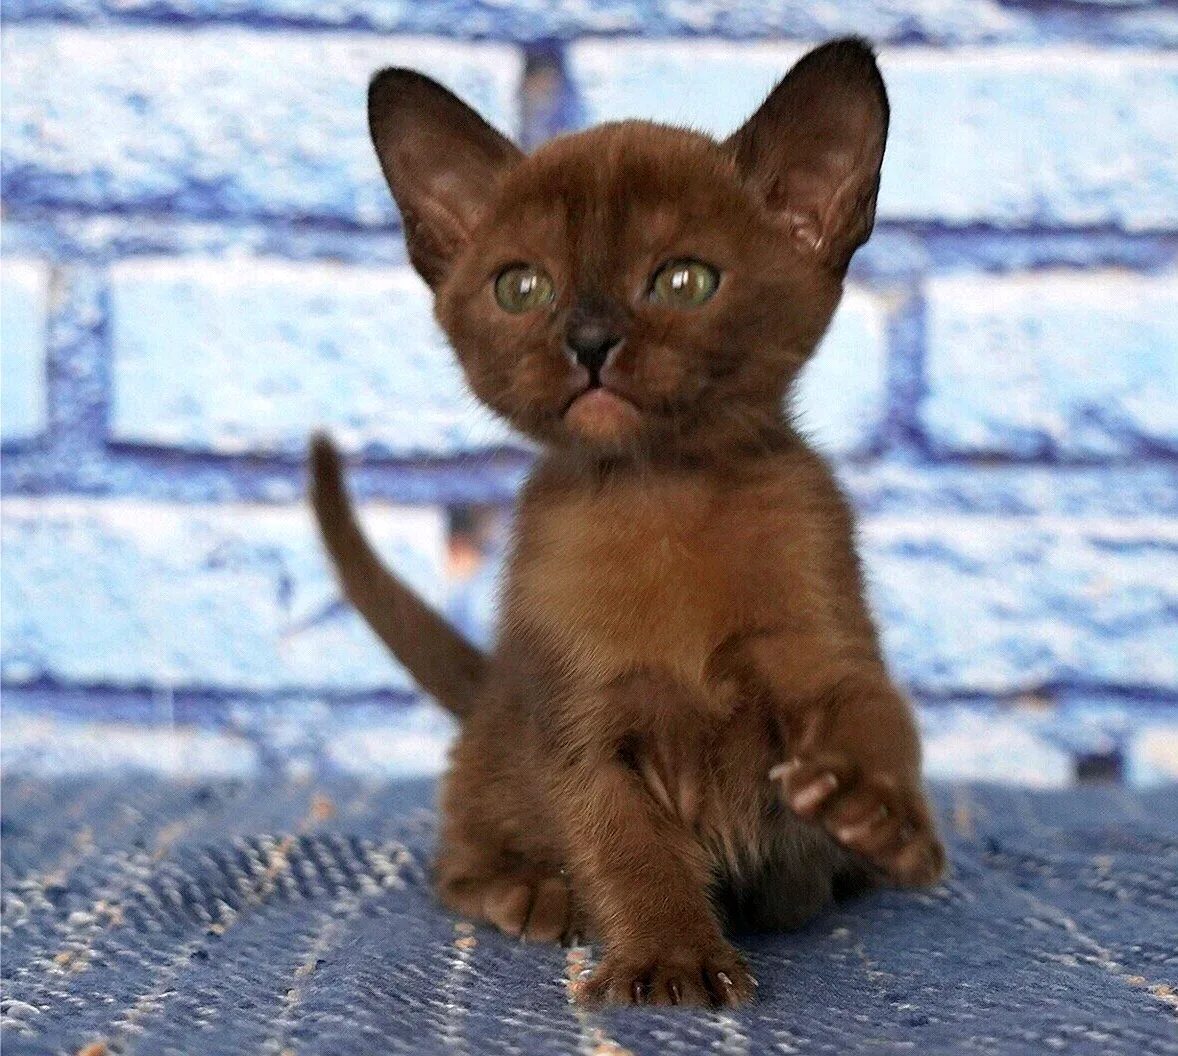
<point x="600" y="413"/>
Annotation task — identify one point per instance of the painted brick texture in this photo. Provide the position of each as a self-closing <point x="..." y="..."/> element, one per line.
<point x="1073" y="366"/>
<point x="201" y="265"/>
<point x="24" y="305"/>
<point x="945" y="22"/>
<point x="993" y="136"/>
<point x="217" y="122"/>
<point x="230" y="598"/>
<point x="240" y="356"/>
<point x="1001" y="607"/>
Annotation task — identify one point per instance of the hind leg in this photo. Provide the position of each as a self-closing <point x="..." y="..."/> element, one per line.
<point x="499" y="860"/>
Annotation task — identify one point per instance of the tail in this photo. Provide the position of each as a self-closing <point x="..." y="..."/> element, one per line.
<point x="442" y="662"/>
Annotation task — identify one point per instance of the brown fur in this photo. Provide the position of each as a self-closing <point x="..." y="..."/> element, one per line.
<point x="686" y="723"/>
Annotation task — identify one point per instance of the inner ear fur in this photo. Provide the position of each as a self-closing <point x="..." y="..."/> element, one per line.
<point x="813" y="150"/>
<point x="441" y="160"/>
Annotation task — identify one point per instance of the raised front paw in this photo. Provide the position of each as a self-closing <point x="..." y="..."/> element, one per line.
<point x="881" y="816"/>
<point x="715" y="977"/>
<point x="537" y="907"/>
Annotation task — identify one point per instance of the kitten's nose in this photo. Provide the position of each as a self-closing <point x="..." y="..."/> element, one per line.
<point x="591" y="342"/>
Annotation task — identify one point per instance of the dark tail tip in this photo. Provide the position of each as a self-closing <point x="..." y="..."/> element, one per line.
<point x="328" y="492"/>
<point x="324" y="456"/>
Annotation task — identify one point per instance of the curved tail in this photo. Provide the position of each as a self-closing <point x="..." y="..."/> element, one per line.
<point x="442" y="662"/>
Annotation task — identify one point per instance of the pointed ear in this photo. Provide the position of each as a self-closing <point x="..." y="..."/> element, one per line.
<point x="813" y="150"/>
<point x="441" y="160"/>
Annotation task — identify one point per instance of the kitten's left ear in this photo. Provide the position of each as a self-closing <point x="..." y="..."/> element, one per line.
<point x="813" y="150"/>
<point x="441" y="160"/>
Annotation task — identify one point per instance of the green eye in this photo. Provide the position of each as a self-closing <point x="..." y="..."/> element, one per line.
<point x="523" y="287"/>
<point x="684" y="283"/>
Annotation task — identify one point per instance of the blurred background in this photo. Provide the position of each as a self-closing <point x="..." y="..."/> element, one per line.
<point x="201" y="264"/>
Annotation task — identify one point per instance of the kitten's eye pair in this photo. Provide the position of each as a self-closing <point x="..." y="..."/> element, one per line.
<point x="680" y="284"/>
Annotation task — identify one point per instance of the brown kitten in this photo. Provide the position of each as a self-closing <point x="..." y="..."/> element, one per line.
<point x="686" y="723"/>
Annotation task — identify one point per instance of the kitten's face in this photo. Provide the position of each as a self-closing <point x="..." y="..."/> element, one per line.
<point x="637" y="288"/>
<point x="672" y="306"/>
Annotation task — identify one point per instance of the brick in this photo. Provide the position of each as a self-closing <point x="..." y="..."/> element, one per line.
<point x="908" y="487"/>
<point x="245" y="355"/>
<point x="128" y="594"/>
<point x="1003" y="605"/>
<point x="1073" y="365"/>
<point x="75" y="10"/>
<point x="1153" y="752"/>
<point x="1046" y="137"/>
<point x="970" y="744"/>
<point x="217" y="121"/>
<point x="969" y="19"/>
<point x="978" y="606"/>
<point x="842" y="393"/>
<point x="490" y="19"/>
<point x="1054" y="137"/>
<point x="711" y="85"/>
<point x="935" y="21"/>
<point x="250" y="355"/>
<point x="24" y="301"/>
<point x="413" y="742"/>
<point x="54" y="747"/>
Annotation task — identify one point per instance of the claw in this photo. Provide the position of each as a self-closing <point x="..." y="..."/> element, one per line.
<point x="782" y="770"/>
<point x="859" y="829"/>
<point x="850" y="833"/>
<point x="728" y="995"/>
<point x="814" y="794"/>
<point x="712" y="977"/>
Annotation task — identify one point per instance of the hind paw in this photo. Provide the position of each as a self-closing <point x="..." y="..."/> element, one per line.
<point x="534" y="906"/>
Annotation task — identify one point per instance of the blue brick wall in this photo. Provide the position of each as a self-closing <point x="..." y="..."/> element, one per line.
<point x="201" y="264"/>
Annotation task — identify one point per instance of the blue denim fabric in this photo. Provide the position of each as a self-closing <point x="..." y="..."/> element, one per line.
<point x="239" y="917"/>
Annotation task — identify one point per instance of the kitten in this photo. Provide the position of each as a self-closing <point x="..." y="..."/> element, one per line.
<point x="686" y="725"/>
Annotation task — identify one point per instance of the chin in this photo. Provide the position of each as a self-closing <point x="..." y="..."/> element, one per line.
<point x="603" y="419"/>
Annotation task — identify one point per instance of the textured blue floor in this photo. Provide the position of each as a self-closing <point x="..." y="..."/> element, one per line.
<point x="239" y="918"/>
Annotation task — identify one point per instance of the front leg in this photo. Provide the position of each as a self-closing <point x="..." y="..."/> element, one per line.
<point x="852" y="765"/>
<point x="645" y="879"/>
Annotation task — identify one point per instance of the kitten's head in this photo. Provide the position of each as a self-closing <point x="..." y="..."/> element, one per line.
<point x="636" y="288"/>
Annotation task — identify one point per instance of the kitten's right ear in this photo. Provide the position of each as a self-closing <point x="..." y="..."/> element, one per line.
<point x="813" y="150"/>
<point x="442" y="162"/>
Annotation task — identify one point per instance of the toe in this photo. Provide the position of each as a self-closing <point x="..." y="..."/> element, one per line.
<point x="875" y="835"/>
<point x="807" y="800"/>
<point x="811" y="786"/>
<point x="549" y="917"/>
<point x="684" y="978"/>
<point x="728" y="985"/>
<point x="918" y="863"/>
<point x="507" y="906"/>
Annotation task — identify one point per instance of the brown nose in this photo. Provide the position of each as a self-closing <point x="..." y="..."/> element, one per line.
<point x="591" y="341"/>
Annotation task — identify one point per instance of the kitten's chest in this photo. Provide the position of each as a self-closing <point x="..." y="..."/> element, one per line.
<point x="616" y="586"/>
